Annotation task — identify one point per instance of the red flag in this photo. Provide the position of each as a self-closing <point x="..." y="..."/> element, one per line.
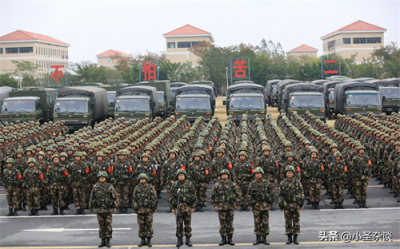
<point x="322" y="167"/>
<point x="19" y="176"/>
<point x="87" y="170"/>
<point x="109" y="170"/>
<point x="252" y="171"/>
<point x="298" y="169"/>
<point x="47" y="169"/>
<point x="154" y="172"/>
<point x="209" y="148"/>
<point x="206" y="171"/>
<point x="345" y="168"/>
<point x="369" y="163"/>
<point x="66" y="173"/>
<point x="215" y="138"/>
<point x="186" y="127"/>
<point x="230" y="166"/>
<point x="41" y="176"/>
<point x="183" y="167"/>
<point x="129" y="169"/>
<point x="277" y="165"/>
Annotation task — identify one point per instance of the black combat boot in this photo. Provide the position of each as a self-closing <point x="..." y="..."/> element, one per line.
<point x="246" y="208"/>
<point x="289" y="239"/>
<point x="77" y="212"/>
<point x="169" y="211"/>
<point x="295" y="239"/>
<point x="37" y="212"/>
<point x="395" y="195"/>
<point x="364" y="204"/>
<point x="355" y="201"/>
<point x="359" y="205"/>
<point x="317" y="205"/>
<point x="196" y="208"/>
<point x="312" y="205"/>
<point x="20" y="206"/>
<point x="149" y="242"/>
<point x="120" y="211"/>
<point x="241" y="208"/>
<point x="385" y="185"/>
<point x="309" y="202"/>
<point x="352" y="196"/>
<point x="15" y="212"/>
<point x="31" y="213"/>
<point x="108" y="244"/>
<point x="142" y="242"/>
<point x="10" y="212"/>
<point x="341" y="205"/>
<point x="258" y="240"/>
<point x="66" y="207"/>
<point x="201" y="209"/>
<point x="264" y="240"/>
<point x="44" y="206"/>
<point x="23" y="206"/>
<point x="83" y="211"/>
<point x="55" y="211"/>
<point x="336" y="205"/>
<point x="223" y="241"/>
<point x="272" y="208"/>
<point x="188" y="242"/>
<point x="102" y="243"/>
<point x="62" y="211"/>
<point x="230" y="241"/>
<point x="179" y="242"/>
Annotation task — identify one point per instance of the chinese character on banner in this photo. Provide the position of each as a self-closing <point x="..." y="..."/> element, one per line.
<point x="240" y="72"/>
<point x="56" y="72"/>
<point x="149" y="71"/>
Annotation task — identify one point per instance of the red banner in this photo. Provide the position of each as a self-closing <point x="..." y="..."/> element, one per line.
<point x="331" y="72"/>
<point x="330" y="61"/>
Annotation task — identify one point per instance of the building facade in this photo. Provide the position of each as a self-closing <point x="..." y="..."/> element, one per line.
<point x="302" y="50"/>
<point x="41" y="50"/>
<point x="359" y="37"/>
<point x="106" y="58"/>
<point x="178" y="42"/>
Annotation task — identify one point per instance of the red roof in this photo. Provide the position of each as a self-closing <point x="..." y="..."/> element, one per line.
<point x="20" y="35"/>
<point x="112" y="52"/>
<point x="357" y="26"/>
<point x="303" y="47"/>
<point x="188" y="30"/>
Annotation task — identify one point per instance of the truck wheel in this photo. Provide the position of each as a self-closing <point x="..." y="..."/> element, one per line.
<point x="329" y="115"/>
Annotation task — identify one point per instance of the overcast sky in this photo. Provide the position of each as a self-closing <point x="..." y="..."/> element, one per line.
<point x="92" y="27"/>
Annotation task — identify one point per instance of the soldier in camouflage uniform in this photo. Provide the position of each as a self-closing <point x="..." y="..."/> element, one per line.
<point x="45" y="193"/>
<point x="220" y="162"/>
<point x="57" y="176"/>
<point x="122" y="177"/>
<point x="291" y="200"/>
<point x="199" y="175"/>
<point x="314" y="172"/>
<point x="33" y="183"/>
<point x="145" y="204"/>
<point x="269" y="165"/>
<point x="168" y="172"/>
<point x="225" y="197"/>
<point x="337" y="177"/>
<point x="12" y="182"/>
<point x="182" y="203"/>
<point x="80" y="181"/>
<point x="260" y="194"/>
<point x="103" y="198"/>
<point x="361" y="172"/>
<point x="244" y="174"/>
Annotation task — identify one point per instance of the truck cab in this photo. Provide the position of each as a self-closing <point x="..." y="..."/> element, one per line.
<point x="245" y="103"/>
<point x="362" y="102"/>
<point x="307" y="101"/>
<point x="21" y="108"/>
<point x="194" y="106"/>
<point x="111" y="103"/>
<point x="133" y="107"/>
<point x="390" y="99"/>
<point x="76" y="111"/>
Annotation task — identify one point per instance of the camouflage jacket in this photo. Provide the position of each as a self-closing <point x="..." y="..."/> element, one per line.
<point x="169" y="168"/>
<point x="260" y="194"/>
<point x="103" y="198"/>
<point x="10" y="178"/>
<point x="57" y="175"/>
<point x="144" y="199"/>
<point x="187" y="196"/>
<point x="33" y="178"/>
<point x="291" y="196"/>
<point x="198" y="173"/>
<point x="225" y="195"/>
<point x="361" y="168"/>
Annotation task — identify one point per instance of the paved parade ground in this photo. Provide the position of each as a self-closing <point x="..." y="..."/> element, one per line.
<point x="380" y="222"/>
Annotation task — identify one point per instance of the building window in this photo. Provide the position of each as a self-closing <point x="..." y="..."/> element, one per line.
<point x="11" y="50"/>
<point x="171" y="45"/>
<point x="26" y="50"/>
<point x="184" y="44"/>
<point x="1" y="50"/>
<point x="359" y="40"/>
<point x="346" y="40"/>
<point x="195" y="43"/>
<point x="374" y="40"/>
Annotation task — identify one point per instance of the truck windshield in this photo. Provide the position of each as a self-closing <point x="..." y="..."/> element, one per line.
<point x="247" y="102"/>
<point x="132" y="105"/>
<point x="331" y="94"/>
<point x="274" y="90"/>
<point x="18" y="106"/>
<point x="160" y="97"/>
<point x="390" y="93"/>
<point x="192" y="103"/>
<point x="363" y="99"/>
<point x="307" y="101"/>
<point x="71" y="106"/>
<point x="173" y="94"/>
<point x="111" y="97"/>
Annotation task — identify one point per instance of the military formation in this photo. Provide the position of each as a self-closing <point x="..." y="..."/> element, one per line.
<point x="119" y="165"/>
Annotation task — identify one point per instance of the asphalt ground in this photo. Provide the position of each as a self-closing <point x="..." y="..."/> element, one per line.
<point x="382" y="220"/>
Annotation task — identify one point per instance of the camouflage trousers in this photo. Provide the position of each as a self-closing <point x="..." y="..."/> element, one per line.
<point x="184" y="218"/>
<point x="12" y="196"/>
<point x="306" y="188"/>
<point x="315" y="190"/>
<point x="243" y="187"/>
<point x="131" y="187"/>
<point x="292" y="221"/>
<point x="169" y="184"/>
<point x="261" y="221"/>
<point x="33" y="198"/>
<point x="394" y="185"/>
<point x="45" y="195"/>
<point x="105" y="225"/>
<point x="337" y="191"/>
<point x="87" y="193"/>
<point x="79" y="196"/>
<point x="122" y="194"/>
<point x="201" y="193"/>
<point x="360" y="189"/>
<point x="22" y="195"/>
<point x="226" y="222"/>
<point x="57" y="196"/>
<point x="386" y="174"/>
<point x="69" y="197"/>
<point x="145" y="222"/>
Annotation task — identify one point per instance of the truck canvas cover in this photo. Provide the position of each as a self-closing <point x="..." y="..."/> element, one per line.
<point x="245" y="88"/>
<point x="340" y="90"/>
<point x="141" y="91"/>
<point x="328" y="85"/>
<point x="269" y="85"/>
<point x="319" y="82"/>
<point x="178" y="84"/>
<point x="197" y="89"/>
<point x="385" y="83"/>
<point x="301" y="88"/>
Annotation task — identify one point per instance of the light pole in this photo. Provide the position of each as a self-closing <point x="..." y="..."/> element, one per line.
<point x="227" y="78"/>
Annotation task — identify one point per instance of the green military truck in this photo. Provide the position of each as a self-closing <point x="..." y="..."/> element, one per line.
<point x="357" y="97"/>
<point x="136" y="102"/>
<point x="329" y="97"/>
<point x="337" y="78"/>
<point x="281" y="87"/>
<point x="81" y="106"/>
<point x="390" y="91"/>
<point x="111" y="92"/>
<point x="175" y="86"/>
<point x="29" y="104"/>
<point x="304" y="97"/>
<point x="207" y="83"/>
<point x="271" y="91"/>
<point x="245" y="98"/>
<point x="195" y="101"/>
<point x="164" y="96"/>
<point x="319" y="82"/>
<point x="4" y="93"/>
<point x="178" y="84"/>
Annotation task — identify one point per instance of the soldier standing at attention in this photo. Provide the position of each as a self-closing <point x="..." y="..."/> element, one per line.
<point x="11" y="183"/>
<point x="291" y="200"/>
<point x="33" y="183"/>
<point x="182" y="203"/>
<point x="145" y="204"/>
<point x="57" y="176"/>
<point x="261" y="194"/>
<point x="79" y="179"/>
<point x="104" y="199"/>
<point x="361" y="172"/>
<point x="225" y="194"/>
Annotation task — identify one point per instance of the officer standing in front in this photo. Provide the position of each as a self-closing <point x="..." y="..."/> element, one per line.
<point x="104" y="199"/>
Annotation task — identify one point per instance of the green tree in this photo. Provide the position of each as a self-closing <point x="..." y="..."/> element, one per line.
<point x="389" y="57"/>
<point x="8" y="80"/>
